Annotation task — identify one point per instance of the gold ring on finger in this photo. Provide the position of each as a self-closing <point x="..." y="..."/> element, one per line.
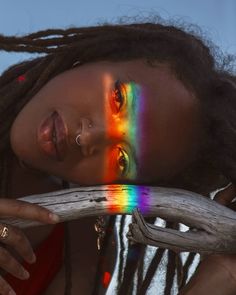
<point x="4" y="232"/>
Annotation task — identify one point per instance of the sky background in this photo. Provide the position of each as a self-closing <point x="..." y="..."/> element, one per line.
<point x="215" y="17"/>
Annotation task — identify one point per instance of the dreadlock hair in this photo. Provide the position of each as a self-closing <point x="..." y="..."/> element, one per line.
<point x="191" y="60"/>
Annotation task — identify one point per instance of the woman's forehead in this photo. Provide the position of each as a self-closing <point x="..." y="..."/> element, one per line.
<point x="169" y="125"/>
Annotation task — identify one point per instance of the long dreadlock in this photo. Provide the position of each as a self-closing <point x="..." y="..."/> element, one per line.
<point x="192" y="62"/>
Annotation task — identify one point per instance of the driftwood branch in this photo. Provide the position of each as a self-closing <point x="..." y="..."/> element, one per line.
<point x="196" y="240"/>
<point x="215" y="224"/>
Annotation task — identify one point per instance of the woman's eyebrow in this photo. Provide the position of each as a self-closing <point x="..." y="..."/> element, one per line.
<point x="134" y="115"/>
<point x="134" y="156"/>
<point x="133" y="97"/>
<point x="134" y="104"/>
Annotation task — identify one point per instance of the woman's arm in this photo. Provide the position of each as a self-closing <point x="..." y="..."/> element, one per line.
<point x="216" y="275"/>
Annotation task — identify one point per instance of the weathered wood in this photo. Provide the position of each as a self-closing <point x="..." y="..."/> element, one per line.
<point x="216" y="223"/>
<point x="195" y="240"/>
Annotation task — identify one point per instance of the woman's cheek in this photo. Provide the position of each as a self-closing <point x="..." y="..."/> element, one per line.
<point x="110" y="165"/>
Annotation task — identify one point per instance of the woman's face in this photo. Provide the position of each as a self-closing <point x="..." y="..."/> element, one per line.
<point x="135" y="123"/>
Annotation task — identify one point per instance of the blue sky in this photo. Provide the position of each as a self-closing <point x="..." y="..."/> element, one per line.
<point x="215" y="17"/>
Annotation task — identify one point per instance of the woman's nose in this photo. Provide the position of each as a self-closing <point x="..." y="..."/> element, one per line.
<point x="91" y="137"/>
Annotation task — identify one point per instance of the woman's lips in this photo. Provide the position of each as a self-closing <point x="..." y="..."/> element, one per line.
<point x="52" y="137"/>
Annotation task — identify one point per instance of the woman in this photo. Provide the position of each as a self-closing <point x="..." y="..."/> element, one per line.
<point x="136" y="103"/>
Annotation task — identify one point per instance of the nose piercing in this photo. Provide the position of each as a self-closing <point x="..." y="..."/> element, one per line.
<point x="77" y="139"/>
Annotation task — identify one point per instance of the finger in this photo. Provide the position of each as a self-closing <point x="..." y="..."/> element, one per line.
<point x="17" y="239"/>
<point x="5" y="288"/>
<point x="25" y="210"/>
<point x="226" y="195"/>
<point x="11" y="265"/>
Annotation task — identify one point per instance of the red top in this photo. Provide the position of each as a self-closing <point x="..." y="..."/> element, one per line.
<point x="49" y="261"/>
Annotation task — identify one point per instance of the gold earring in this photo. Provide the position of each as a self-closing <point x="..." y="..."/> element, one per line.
<point x="99" y="227"/>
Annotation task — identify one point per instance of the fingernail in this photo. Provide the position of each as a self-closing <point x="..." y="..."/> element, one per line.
<point x="25" y="274"/>
<point x="32" y="258"/>
<point x="54" y="217"/>
<point x="11" y="292"/>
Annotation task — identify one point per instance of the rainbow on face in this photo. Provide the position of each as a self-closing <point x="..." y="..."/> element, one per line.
<point x="124" y="122"/>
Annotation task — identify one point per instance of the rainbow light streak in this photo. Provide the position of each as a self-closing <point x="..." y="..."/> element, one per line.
<point x="128" y="126"/>
<point x="125" y="122"/>
<point x="125" y="198"/>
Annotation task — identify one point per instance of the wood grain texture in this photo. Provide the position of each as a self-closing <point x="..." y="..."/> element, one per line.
<point x="214" y="225"/>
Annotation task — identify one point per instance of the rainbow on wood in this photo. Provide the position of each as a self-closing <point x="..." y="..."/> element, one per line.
<point x="125" y="198"/>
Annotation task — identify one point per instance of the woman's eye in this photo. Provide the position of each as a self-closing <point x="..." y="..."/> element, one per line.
<point x="117" y="97"/>
<point x="123" y="161"/>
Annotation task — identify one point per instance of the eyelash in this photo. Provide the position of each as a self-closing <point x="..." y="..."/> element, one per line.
<point x="122" y="156"/>
<point x="118" y="97"/>
<point x="118" y="102"/>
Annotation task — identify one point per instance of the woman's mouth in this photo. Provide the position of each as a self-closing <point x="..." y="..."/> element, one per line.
<point x="52" y="137"/>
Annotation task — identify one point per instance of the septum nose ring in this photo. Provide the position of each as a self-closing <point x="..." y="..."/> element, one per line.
<point x="77" y="139"/>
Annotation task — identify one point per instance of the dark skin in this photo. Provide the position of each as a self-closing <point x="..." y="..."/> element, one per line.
<point x="170" y="125"/>
<point x="170" y="130"/>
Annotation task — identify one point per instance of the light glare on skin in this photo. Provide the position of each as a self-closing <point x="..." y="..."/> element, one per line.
<point x="132" y="96"/>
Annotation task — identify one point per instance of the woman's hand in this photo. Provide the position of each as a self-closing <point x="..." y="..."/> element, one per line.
<point x="15" y="238"/>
